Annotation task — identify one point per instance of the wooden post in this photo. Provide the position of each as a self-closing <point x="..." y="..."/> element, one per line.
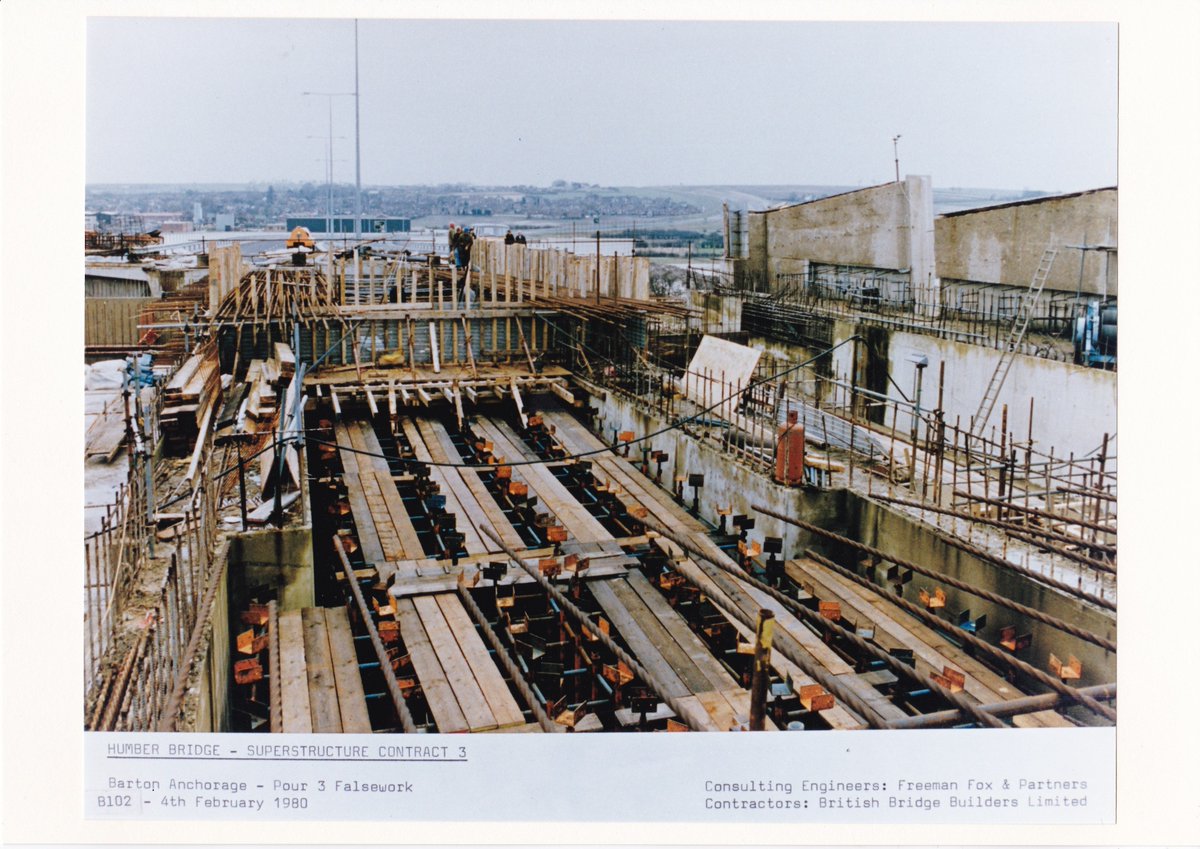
<point x="762" y="669"/>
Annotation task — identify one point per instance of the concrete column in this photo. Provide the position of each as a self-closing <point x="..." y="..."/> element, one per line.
<point x="922" y="263"/>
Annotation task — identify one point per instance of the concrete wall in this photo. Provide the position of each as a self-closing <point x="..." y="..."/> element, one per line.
<point x="727" y="482"/>
<point x="281" y="559"/>
<point x="918" y="193"/>
<point x="1004" y="244"/>
<point x="757" y="263"/>
<point x="870" y="227"/>
<point x="900" y="535"/>
<point x="719" y="313"/>
<point x="1073" y="406"/>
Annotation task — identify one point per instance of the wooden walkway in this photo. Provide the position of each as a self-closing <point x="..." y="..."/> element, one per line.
<point x="462" y="686"/>
<point x="321" y="687"/>
<point x="663" y="643"/>
<point x="385" y="531"/>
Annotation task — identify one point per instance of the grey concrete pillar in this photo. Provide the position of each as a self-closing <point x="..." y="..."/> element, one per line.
<point x="922" y="262"/>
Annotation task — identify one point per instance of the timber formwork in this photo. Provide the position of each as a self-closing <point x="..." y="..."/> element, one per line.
<point x="512" y="574"/>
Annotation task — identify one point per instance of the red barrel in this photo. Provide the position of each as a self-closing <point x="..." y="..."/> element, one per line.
<point x="789" y="451"/>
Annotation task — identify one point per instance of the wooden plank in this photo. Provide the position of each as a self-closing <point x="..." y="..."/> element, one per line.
<point x="798" y="630"/>
<point x="722" y="714"/>
<point x="105" y="436"/>
<point x="930" y="646"/>
<point x="639" y="490"/>
<point x="642" y="647"/>
<point x="553" y="495"/>
<point x="499" y="698"/>
<point x="368" y="538"/>
<point x="838" y="717"/>
<point x="427" y="449"/>
<point x="818" y="652"/>
<point x="297" y="716"/>
<point x="695" y="714"/>
<point x="322" y="691"/>
<point x="352" y="700"/>
<point x="392" y="505"/>
<point x="648" y="623"/>
<point x="458" y="672"/>
<point x="717" y="675"/>
<point x="438" y="694"/>
<point x="889" y="632"/>
<point x="448" y="581"/>
<point x="744" y="598"/>
<point x="479" y="493"/>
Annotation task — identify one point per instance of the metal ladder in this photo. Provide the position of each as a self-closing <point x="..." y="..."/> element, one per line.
<point x="1011" y="345"/>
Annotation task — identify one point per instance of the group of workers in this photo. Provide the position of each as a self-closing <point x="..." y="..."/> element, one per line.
<point x="463" y="238"/>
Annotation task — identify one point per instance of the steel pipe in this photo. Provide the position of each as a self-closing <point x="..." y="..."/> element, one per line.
<point x="543" y="719"/>
<point x="385" y="663"/>
<point x="984" y="646"/>
<point x="1012" y="707"/>
<point x="1044" y="618"/>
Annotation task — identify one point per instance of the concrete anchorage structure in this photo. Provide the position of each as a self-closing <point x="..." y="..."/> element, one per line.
<point x="389" y="495"/>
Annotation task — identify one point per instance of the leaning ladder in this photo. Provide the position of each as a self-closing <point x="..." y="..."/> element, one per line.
<point x="1013" y="343"/>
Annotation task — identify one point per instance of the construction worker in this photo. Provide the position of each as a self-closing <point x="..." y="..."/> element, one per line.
<point x="452" y="239"/>
<point x="466" y="238"/>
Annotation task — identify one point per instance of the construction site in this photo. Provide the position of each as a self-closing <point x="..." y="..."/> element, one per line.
<point x="860" y="474"/>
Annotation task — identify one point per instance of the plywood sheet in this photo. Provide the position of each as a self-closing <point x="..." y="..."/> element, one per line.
<point x="718" y="369"/>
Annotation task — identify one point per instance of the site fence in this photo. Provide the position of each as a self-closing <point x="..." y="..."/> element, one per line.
<point x="142" y="612"/>
<point x="113" y="558"/>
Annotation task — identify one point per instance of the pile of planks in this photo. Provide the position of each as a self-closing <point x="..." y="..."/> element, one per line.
<point x="188" y="400"/>
<point x="262" y="403"/>
<point x="266" y="378"/>
<point x="172" y="308"/>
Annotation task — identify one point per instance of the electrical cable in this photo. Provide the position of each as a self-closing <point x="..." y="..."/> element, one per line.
<point x="675" y="426"/>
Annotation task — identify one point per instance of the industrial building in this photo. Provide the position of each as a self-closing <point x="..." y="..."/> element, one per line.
<point x="863" y="477"/>
<point x="345" y="224"/>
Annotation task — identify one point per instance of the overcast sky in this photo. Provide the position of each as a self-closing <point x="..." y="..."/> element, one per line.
<point x="633" y="103"/>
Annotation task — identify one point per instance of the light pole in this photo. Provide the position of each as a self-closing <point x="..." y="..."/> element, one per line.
<point x="330" y="95"/>
<point x="329" y="160"/>
<point x="896" y="154"/>
<point x="357" y="150"/>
